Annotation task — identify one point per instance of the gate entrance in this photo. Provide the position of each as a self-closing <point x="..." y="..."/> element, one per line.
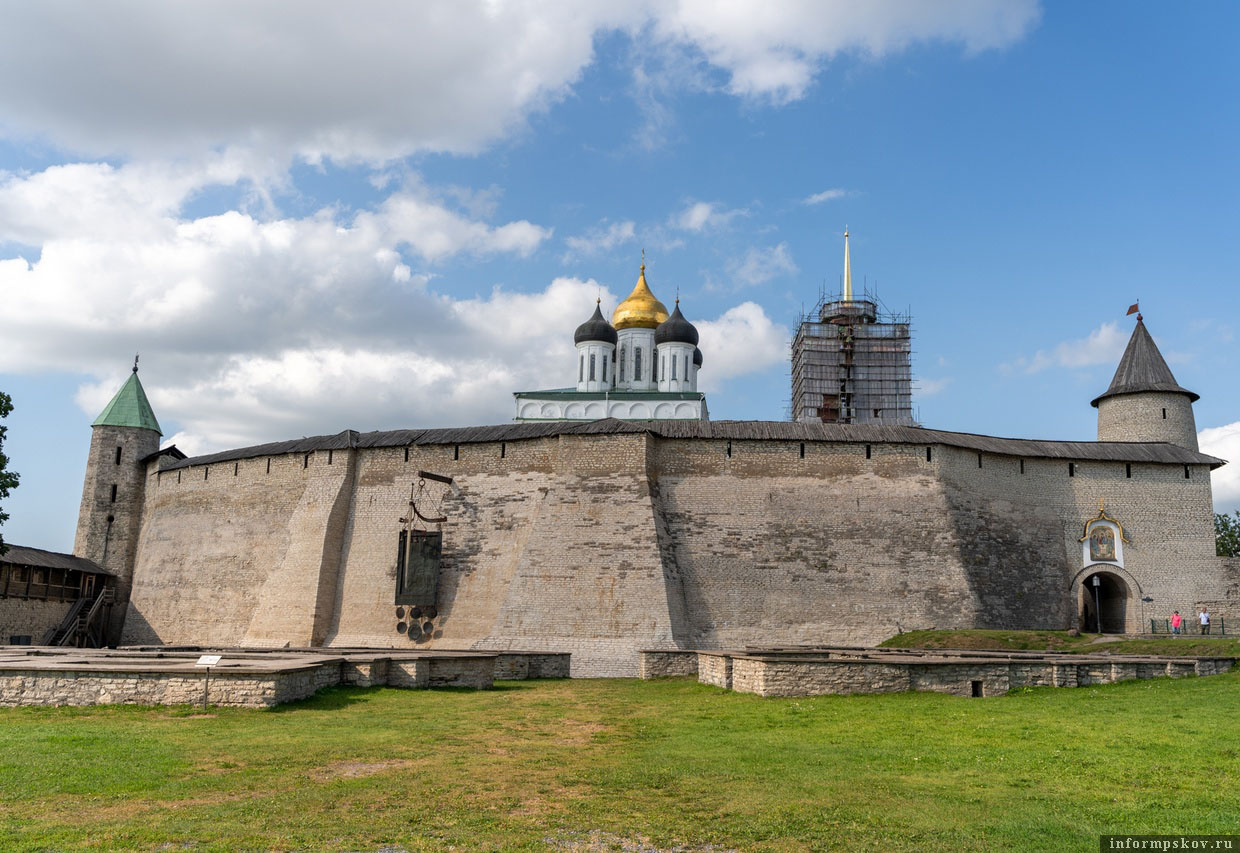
<point x="1104" y="607"/>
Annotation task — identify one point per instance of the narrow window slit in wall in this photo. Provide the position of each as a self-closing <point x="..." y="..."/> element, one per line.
<point x="802" y="450"/>
<point x="868" y="451"/>
<point x="456" y="453"/>
<point x="305" y="461"/>
<point x="979" y="460"/>
<point x="114" y="493"/>
<point x="118" y="455"/>
<point x="1187" y="472"/>
<point x="1164" y="414"/>
<point x="406" y="454"/>
<point x="329" y="457"/>
<point x="1071" y="469"/>
<point x="1022" y="466"/>
<point x="236" y="468"/>
<point x="729" y="450"/>
<point x="1128" y="470"/>
<point x="206" y="472"/>
<point x="503" y="449"/>
<point x="929" y="458"/>
<point x="178" y="476"/>
<point x="268" y="464"/>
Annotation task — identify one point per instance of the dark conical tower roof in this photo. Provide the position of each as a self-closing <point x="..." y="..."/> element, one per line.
<point x="595" y="329"/>
<point x="676" y="329"/>
<point x="1142" y="368"/>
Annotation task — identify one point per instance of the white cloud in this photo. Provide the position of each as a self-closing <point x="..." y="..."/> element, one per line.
<point x="701" y="215"/>
<point x="1224" y="442"/>
<point x="930" y="387"/>
<point x="825" y="195"/>
<point x="758" y="266"/>
<point x="741" y="341"/>
<point x="255" y="329"/>
<point x="248" y="323"/>
<point x="375" y="80"/>
<point x="602" y="238"/>
<point x="774" y="50"/>
<point x="1104" y="345"/>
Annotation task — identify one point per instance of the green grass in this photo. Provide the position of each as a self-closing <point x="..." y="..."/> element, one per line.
<point x="666" y="762"/>
<point x="1061" y="641"/>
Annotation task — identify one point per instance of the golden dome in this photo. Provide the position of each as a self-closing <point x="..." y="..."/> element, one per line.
<point x="641" y="310"/>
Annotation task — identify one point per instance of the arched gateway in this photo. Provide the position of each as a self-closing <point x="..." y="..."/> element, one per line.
<point x="1104" y="601"/>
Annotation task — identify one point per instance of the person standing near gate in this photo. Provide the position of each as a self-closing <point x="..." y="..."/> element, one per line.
<point x="1176" y="621"/>
<point x="1205" y="620"/>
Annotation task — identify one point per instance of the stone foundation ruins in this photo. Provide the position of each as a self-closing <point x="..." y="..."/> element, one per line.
<point x="825" y="671"/>
<point x="245" y="678"/>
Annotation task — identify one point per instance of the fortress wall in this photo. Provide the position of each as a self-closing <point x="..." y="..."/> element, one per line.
<point x="1167" y="518"/>
<point x="235" y="559"/>
<point x="483" y="538"/>
<point x="551" y="547"/>
<point x="773" y="548"/>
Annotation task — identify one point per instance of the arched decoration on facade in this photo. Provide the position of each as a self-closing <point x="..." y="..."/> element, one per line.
<point x="1102" y="540"/>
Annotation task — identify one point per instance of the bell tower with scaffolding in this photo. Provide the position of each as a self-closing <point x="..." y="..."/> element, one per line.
<point x="851" y="363"/>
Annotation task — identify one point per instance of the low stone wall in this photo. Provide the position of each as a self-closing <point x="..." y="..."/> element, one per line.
<point x="247" y="679"/>
<point x="876" y="671"/>
<point x="34" y="687"/>
<point x="516" y="666"/>
<point x="715" y="668"/>
<point x="660" y="663"/>
<point x="814" y="678"/>
<point x="474" y="671"/>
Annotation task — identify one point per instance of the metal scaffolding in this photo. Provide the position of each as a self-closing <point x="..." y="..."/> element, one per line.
<point x="852" y="364"/>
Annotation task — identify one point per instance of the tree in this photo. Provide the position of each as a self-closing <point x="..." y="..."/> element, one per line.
<point x="8" y="479"/>
<point x="1227" y="534"/>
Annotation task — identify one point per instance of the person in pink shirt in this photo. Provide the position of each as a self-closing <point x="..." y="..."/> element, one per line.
<point x="1176" y="622"/>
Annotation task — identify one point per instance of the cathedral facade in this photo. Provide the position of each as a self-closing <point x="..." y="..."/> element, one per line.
<point x="643" y="365"/>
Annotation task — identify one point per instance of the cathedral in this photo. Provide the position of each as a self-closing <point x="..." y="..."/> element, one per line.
<point x="643" y="365"/>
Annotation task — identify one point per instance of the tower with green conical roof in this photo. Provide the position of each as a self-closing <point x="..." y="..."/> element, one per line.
<point x="122" y="438"/>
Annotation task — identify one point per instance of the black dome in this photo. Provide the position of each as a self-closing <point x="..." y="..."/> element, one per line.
<point x="676" y="329"/>
<point x="697" y="357"/>
<point x="595" y="329"/>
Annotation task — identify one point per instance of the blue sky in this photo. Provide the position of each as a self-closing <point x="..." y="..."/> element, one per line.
<point x="395" y="215"/>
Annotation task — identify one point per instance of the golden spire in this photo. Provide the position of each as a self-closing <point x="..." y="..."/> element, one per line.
<point x="847" y="270"/>
<point x="641" y="309"/>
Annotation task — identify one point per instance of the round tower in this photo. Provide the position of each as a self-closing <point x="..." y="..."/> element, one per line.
<point x="635" y="320"/>
<point x="122" y="437"/>
<point x="1144" y="402"/>
<point x="596" y="353"/>
<point x="676" y="342"/>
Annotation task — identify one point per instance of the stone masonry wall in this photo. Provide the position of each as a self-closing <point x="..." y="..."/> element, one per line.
<point x="29" y="618"/>
<point x="601" y="545"/>
<point x="773" y="547"/>
<point x="549" y="545"/>
<point x="1148" y="416"/>
<point x="1005" y="521"/>
<point x="236" y="553"/>
<point x="109" y="524"/>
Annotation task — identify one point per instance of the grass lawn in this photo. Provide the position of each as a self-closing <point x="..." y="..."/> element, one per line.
<point x="1185" y="644"/>
<point x="583" y="764"/>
